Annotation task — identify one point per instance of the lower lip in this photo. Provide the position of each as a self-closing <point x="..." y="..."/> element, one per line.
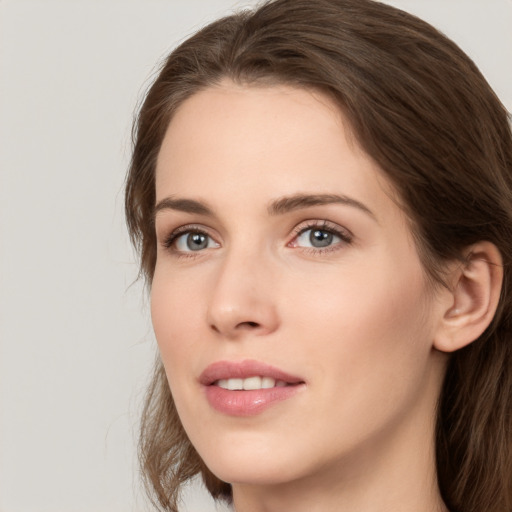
<point x="248" y="403"/>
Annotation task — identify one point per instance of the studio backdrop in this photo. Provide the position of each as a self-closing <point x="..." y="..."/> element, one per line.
<point x="76" y="344"/>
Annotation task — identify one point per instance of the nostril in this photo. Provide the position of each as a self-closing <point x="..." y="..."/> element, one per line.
<point x="241" y="325"/>
<point x="246" y="325"/>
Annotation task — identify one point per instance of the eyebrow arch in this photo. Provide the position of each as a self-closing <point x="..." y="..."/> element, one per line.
<point x="300" y="201"/>
<point x="278" y="207"/>
<point x="183" y="205"/>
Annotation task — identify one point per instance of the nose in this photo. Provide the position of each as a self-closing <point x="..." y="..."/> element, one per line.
<point x="242" y="301"/>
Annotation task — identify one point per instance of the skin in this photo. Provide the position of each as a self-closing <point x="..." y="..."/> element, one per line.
<point x="357" y="321"/>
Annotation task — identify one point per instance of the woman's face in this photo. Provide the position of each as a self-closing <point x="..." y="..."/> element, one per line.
<point x="285" y="267"/>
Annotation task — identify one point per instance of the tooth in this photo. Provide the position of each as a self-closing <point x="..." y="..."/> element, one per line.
<point x="223" y="383"/>
<point x="267" y="382"/>
<point x="252" y="383"/>
<point x="235" y="384"/>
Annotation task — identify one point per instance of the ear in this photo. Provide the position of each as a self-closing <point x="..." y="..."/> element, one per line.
<point x="473" y="298"/>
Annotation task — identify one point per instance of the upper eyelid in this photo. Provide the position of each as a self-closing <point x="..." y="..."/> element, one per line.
<point x="170" y="236"/>
<point x="322" y="224"/>
<point x="298" y="227"/>
<point x="189" y="227"/>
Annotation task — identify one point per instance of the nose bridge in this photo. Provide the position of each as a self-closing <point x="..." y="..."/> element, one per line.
<point x="241" y="300"/>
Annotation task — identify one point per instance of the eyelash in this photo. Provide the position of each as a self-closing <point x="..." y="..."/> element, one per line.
<point x="169" y="241"/>
<point x="345" y="236"/>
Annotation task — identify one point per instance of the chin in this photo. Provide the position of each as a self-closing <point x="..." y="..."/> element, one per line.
<point x="236" y="471"/>
<point x="259" y="461"/>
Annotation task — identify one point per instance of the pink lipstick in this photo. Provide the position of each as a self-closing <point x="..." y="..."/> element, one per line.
<point x="247" y="387"/>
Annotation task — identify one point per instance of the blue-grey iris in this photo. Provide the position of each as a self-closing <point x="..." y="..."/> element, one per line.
<point x="319" y="238"/>
<point x="197" y="241"/>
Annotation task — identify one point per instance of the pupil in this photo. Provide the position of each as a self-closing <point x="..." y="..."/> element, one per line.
<point x="196" y="241"/>
<point x="319" y="238"/>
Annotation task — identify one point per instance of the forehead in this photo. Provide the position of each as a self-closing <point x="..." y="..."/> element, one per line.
<point x="240" y="114"/>
<point x="246" y="142"/>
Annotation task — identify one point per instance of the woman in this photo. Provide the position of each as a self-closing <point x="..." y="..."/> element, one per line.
<point x="321" y="193"/>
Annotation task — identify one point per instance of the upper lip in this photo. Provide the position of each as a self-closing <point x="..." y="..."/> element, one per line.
<point x="242" y="370"/>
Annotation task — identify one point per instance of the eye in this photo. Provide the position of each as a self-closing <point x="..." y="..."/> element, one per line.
<point x="320" y="236"/>
<point x="190" y="240"/>
<point x="317" y="238"/>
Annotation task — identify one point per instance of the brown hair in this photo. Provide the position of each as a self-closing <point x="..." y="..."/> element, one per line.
<point x="421" y="108"/>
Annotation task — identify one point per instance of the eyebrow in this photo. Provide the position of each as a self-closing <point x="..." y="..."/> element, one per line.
<point x="183" y="205"/>
<point x="300" y="201"/>
<point x="277" y="207"/>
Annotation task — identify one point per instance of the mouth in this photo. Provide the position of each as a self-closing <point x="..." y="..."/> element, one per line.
<point x="247" y="374"/>
<point x="251" y="383"/>
<point x="248" y="387"/>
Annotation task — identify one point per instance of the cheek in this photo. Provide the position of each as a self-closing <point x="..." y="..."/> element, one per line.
<point x="176" y="318"/>
<point x="373" y="318"/>
<point x="366" y="345"/>
<point x="176" y="324"/>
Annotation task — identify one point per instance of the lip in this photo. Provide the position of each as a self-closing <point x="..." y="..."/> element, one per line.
<point x="243" y="370"/>
<point x="245" y="402"/>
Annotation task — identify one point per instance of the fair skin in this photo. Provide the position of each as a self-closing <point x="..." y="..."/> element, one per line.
<point x="329" y="290"/>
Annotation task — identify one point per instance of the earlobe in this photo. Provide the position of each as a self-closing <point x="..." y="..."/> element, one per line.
<point x="474" y="298"/>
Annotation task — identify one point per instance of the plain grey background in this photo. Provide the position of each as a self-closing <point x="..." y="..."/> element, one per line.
<point x="76" y="343"/>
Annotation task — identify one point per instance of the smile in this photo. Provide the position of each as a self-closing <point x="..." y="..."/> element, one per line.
<point x="250" y="383"/>
<point x="247" y="388"/>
